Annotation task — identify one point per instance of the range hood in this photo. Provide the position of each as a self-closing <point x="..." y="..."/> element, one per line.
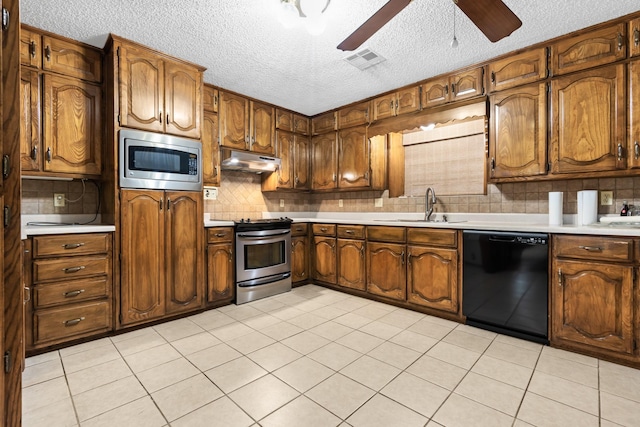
<point x="248" y="162"/>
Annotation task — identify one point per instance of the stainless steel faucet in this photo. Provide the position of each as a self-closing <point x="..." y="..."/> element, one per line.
<point x="429" y="202"/>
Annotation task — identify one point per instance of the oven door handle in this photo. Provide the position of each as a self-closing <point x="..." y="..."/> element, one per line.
<point x="263" y="280"/>
<point x="262" y="236"/>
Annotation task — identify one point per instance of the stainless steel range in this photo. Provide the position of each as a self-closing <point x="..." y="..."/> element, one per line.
<point x="263" y="263"/>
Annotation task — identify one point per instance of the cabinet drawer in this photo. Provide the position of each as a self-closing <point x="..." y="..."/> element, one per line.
<point x="70" y="244"/>
<point x="58" y="293"/>
<point x="71" y="322"/>
<point x="324" y="229"/>
<point x="351" y="231"/>
<point x="605" y="249"/>
<point x="426" y="236"/>
<point x="219" y="234"/>
<point x="70" y="268"/>
<point x="299" y="229"/>
<point x="386" y="234"/>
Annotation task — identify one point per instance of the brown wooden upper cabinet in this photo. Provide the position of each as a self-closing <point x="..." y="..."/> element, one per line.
<point x="396" y="103"/>
<point x="516" y="70"/>
<point x="354" y="115"/>
<point x="323" y="162"/>
<point x="284" y="120"/>
<point x="246" y="125"/>
<point x="634" y="37"/>
<point x="634" y="114"/>
<point x="293" y="174"/>
<point x="588" y="121"/>
<point x="324" y="123"/>
<point x="353" y="158"/>
<point x="62" y="56"/>
<point x="590" y="49"/>
<point x="301" y="124"/>
<point x="518" y="132"/>
<point x="157" y="93"/>
<point x="454" y="87"/>
<point x="210" y="149"/>
<point x="210" y="98"/>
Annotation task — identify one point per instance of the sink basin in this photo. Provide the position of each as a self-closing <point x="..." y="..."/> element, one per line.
<point x="419" y="220"/>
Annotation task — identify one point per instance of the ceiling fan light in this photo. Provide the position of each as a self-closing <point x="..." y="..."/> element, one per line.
<point x="316" y="25"/>
<point x="313" y="8"/>
<point x="288" y="14"/>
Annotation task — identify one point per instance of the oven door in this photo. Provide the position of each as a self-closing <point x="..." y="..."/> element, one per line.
<point x="262" y="254"/>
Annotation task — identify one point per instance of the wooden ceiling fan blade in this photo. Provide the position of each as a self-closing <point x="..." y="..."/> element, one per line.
<point x="492" y="17"/>
<point x="373" y="24"/>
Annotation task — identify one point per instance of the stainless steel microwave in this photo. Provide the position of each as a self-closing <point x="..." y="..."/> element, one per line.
<point x="158" y="161"/>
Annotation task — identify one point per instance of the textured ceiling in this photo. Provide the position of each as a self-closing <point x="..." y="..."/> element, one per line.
<point x="246" y="50"/>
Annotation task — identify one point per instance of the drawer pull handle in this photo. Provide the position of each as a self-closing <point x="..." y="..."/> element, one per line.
<point x="47" y="53"/>
<point x="71" y="294"/>
<point x="560" y="277"/>
<point x="72" y="245"/>
<point x="349" y="231"/>
<point x="323" y="229"/>
<point x="73" y="322"/>
<point x="73" y="269"/>
<point x="221" y="234"/>
<point x="591" y="248"/>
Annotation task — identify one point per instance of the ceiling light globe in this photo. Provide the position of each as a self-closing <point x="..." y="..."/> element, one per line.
<point x="312" y="8"/>
<point x="316" y="25"/>
<point x="454" y="42"/>
<point x="288" y="15"/>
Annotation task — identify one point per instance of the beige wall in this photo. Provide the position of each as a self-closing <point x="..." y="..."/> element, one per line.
<point x="240" y="196"/>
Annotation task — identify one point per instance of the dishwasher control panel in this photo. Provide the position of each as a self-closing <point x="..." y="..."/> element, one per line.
<point x="530" y="240"/>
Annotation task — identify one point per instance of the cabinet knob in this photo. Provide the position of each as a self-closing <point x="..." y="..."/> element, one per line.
<point x="493" y="77"/>
<point x="453" y="88"/>
<point x="49" y="154"/>
<point x="47" y="53"/>
<point x="32" y="49"/>
<point x="620" y="41"/>
<point x="560" y="277"/>
<point x="160" y="116"/>
<point x="636" y="149"/>
<point x="620" y="152"/>
<point x="636" y="37"/>
<point x="34" y="153"/>
<point x="27" y="294"/>
<point x="493" y="164"/>
<point x="402" y="256"/>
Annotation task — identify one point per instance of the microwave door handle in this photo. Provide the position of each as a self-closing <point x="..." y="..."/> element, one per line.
<point x="251" y="236"/>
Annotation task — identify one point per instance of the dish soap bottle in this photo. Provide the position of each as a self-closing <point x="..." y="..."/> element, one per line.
<point x="625" y="209"/>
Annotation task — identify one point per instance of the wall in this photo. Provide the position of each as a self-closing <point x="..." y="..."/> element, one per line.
<point x="240" y="196"/>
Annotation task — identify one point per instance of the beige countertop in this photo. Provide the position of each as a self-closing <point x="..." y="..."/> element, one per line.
<point x="34" y="225"/>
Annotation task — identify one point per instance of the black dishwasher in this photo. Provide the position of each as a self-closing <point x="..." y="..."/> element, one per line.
<point x="505" y="283"/>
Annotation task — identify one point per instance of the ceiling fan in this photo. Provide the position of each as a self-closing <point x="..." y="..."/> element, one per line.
<point x="492" y="17"/>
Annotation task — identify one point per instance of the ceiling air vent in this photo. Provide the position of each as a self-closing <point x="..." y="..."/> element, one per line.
<point x="364" y="59"/>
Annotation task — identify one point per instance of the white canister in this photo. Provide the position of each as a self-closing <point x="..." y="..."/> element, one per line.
<point x="555" y="208"/>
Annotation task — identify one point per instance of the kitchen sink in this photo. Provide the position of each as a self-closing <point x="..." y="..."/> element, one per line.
<point x="420" y="220"/>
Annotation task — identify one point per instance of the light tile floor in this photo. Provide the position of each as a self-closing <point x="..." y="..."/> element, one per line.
<point x="317" y="357"/>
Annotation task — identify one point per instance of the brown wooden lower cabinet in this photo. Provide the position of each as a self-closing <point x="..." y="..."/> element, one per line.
<point x="432" y="277"/>
<point x="351" y="264"/>
<point x="324" y="259"/>
<point x="220" y="265"/>
<point x="299" y="259"/>
<point x="386" y="270"/>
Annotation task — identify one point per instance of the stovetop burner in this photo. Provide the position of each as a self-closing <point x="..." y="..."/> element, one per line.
<point x="249" y="224"/>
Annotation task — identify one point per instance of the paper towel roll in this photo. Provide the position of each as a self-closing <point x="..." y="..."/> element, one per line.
<point x="555" y="208"/>
<point x="589" y="213"/>
<point x="580" y="208"/>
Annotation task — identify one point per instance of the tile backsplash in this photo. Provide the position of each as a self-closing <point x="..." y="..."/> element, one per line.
<point x="240" y="196"/>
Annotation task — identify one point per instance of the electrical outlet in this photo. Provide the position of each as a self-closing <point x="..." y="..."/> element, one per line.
<point x="606" y="198"/>
<point x="210" y="193"/>
<point x="282" y="203"/>
<point x="378" y="202"/>
<point x="340" y="203"/>
<point x="59" y="200"/>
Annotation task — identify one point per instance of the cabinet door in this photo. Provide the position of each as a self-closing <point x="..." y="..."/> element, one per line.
<point x="324" y="123"/>
<point x="386" y="272"/>
<point x="351" y="264"/>
<point x="408" y="100"/>
<point x="324" y="259"/>
<point x="435" y="92"/>
<point x="285" y="152"/>
<point x="588" y="121"/>
<point x="467" y="84"/>
<point x="592" y="304"/>
<point x="71" y="59"/>
<point x="263" y="128"/>
<point x="220" y="270"/>
<point x="516" y="70"/>
<point x="432" y="278"/>
<point x="210" y="149"/>
<point x="634" y="113"/>
<point x="234" y="121"/>
<point x="142" y="268"/>
<point x="384" y="106"/>
<point x="353" y="158"/>
<point x="30" y="48"/>
<point x="301" y="149"/>
<point x="634" y="37"/>
<point x="323" y="162"/>
<point x="588" y="50"/>
<point x="72" y="136"/>
<point x="284" y="120"/>
<point x="209" y="98"/>
<point x="182" y="100"/>
<point x="301" y="124"/>
<point x="184" y="251"/>
<point x="518" y="135"/>
<point x="299" y="259"/>
<point x="30" y="150"/>
<point x="354" y="115"/>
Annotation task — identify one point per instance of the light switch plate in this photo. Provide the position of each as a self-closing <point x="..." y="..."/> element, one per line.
<point x="606" y="198"/>
<point x="210" y="193"/>
<point x="340" y="203"/>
